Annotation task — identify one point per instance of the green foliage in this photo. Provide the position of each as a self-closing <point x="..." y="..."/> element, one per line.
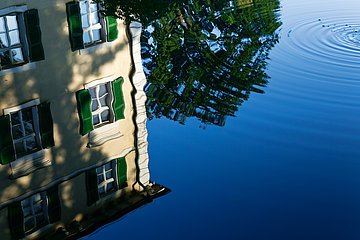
<point x="202" y="58"/>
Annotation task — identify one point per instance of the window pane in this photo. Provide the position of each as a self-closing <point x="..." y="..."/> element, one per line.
<point x="36" y="198"/>
<point x="93" y="7"/>
<point x="15" y="119"/>
<point x="94" y="105"/>
<point x="29" y="128"/>
<point x="26" y="211"/>
<point x="83" y="7"/>
<point x="17" y="132"/>
<point x="96" y="35"/>
<point x="108" y="166"/>
<point x="17" y="55"/>
<point x="96" y="119"/>
<point x="100" y="178"/>
<point x="87" y="37"/>
<point x="99" y="170"/>
<point x="103" y="101"/>
<point x="92" y="92"/>
<point x="11" y="22"/>
<point x="2" y="24"/>
<point x="101" y="190"/>
<point x="109" y="186"/>
<point x="105" y="115"/>
<point x="14" y="37"/>
<point x="102" y="90"/>
<point x="30" y="144"/>
<point x="85" y="21"/>
<point x="3" y="40"/>
<point x="27" y="114"/>
<point x="38" y="208"/>
<point x="108" y="175"/>
<point x="94" y="16"/>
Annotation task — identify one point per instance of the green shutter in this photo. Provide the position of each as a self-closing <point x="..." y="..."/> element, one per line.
<point x="111" y="27"/>
<point x="7" y="152"/>
<point x="84" y="109"/>
<point x="91" y="187"/>
<point x="75" y="27"/>
<point x="122" y="175"/>
<point x="16" y="220"/>
<point x="33" y="35"/>
<point x="118" y="104"/>
<point x="46" y="125"/>
<point x="54" y="206"/>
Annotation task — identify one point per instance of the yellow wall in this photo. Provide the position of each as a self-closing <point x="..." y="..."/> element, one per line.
<point x="56" y="79"/>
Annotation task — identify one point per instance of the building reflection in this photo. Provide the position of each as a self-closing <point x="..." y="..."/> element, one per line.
<point x="73" y="138"/>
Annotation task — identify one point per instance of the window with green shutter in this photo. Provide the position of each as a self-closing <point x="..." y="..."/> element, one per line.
<point x="106" y="179"/>
<point x="88" y="26"/>
<point x="101" y="103"/>
<point x="34" y="212"/>
<point x="20" y="37"/>
<point x="25" y="130"/>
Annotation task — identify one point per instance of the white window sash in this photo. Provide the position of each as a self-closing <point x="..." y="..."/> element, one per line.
<point x="26" y="164"/>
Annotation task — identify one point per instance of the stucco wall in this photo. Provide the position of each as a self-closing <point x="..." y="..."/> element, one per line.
<point x="56" y="79"/>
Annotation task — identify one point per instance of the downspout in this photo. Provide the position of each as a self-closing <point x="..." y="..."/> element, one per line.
<point x="138" y="81"/>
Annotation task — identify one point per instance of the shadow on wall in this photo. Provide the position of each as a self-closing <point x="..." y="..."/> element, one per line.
<point x="49" y="81"/>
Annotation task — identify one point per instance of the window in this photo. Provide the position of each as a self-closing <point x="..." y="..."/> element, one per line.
<point x="20" y="37"/>
<point x="101" y="98"/>
<point x="106" y="179"/>
<point x="11" y="47"/>
<point x="25" y="132"/>
<point x="100" y="105"/>
<point x="87" y="25"/>
<point x="34" y="212"/>
<point x="90" y="22"/>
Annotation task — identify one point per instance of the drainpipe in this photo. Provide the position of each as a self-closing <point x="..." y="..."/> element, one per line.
<point x="138" y="81"/>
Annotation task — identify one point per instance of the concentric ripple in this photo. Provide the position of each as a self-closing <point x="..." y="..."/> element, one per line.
<point x="323" y="45"/>
<point x="315" y="68"/>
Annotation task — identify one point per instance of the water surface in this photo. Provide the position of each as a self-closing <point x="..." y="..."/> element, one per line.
<point x="286" y="164"/>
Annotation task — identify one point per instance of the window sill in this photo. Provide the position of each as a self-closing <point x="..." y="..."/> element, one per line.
<point x="103" y="134"/>
<point x="92" y="49"/>
<point x="21" y="68"/>
<point x="29" y="163"/>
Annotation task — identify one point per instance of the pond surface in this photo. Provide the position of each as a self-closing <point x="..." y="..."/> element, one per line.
<point x="286" y="165"/>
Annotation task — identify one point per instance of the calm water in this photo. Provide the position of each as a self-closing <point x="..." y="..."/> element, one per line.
<point x="286" y="166"/>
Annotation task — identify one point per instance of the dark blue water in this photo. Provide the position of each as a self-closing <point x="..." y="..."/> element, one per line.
<point x="287" y="165"/>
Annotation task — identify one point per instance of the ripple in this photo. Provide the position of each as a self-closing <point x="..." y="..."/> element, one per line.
<point x="322" y="46"/>
<point x="317" y="61"/>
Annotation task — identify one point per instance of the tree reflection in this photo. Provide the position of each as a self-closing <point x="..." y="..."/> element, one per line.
<point x="203" y="58"/>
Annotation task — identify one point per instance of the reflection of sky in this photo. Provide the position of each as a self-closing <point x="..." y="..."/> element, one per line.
<point x="287" y="167"/>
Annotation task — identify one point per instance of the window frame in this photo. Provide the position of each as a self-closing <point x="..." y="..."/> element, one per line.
<point x="104" y="183"/>
<point x="100" y="23"/>
<point x="36" y="125"/>
<point x="119" y="167"/>
<point x="32" y="160"/>
<point x="96" y="84"/>
<point x="18" y="11"/>
<point x="109" y="130"/>
<point x="108" y="26"/>
<point x="50" y="212"/>
<point x="33" y="214"/>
